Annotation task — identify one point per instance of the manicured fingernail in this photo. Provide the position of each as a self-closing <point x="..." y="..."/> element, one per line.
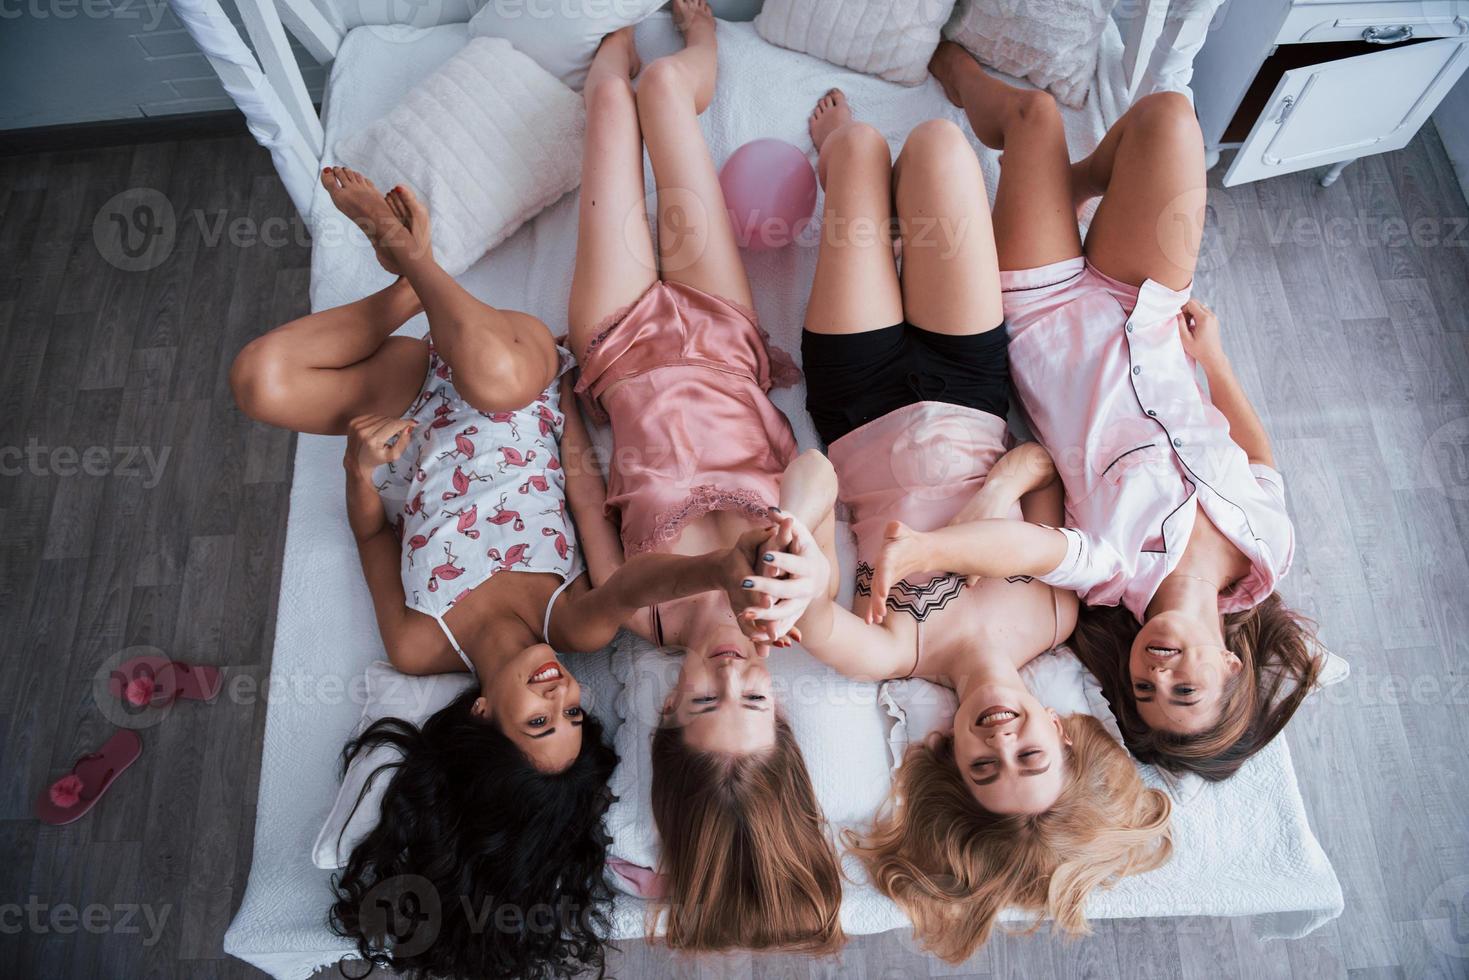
<point x="748" y="583"/>
<point x="775" y="510"/>
<point x="770" y="556"/>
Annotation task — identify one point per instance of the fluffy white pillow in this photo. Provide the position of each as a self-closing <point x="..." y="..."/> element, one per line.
<point x="389" y="694"/>
<point x="561" y="35"/>
<point x="1052" y="44"/>
<point x="486" y="142"/>
<point x="837" y="721"/>
<point x="876" y="37"/>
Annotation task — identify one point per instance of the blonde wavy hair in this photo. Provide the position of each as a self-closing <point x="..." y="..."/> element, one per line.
<point x="746" y="857"/>
<point x="953" y="866"/>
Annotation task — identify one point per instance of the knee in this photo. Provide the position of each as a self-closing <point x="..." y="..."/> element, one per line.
<point x="1036" y="108"/>
<point x="258" y="379"/>
<point x="938" y="145"/>
<point x="1167" y="117"/>
<point x="937" y="138"/>
<point x="607" y="93"/>
<point x="857" y="141"/>
<point x="662" y="82"/>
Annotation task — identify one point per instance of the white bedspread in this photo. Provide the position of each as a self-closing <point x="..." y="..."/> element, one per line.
<point x="1243" y="847"/>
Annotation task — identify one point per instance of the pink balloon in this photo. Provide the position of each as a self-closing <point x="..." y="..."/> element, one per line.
<point x="770" y="190"/>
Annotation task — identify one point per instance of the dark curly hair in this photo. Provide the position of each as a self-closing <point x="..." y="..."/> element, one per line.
<point x="481" y="865"/>
<point x="1282" y="662"/>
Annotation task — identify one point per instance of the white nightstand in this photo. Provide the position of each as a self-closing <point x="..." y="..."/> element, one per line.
<point x="1308" y="83"/>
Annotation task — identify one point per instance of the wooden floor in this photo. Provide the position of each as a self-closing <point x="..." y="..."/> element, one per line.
<point x="1347" y="313"/>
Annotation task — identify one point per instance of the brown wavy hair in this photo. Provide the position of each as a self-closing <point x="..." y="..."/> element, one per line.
<point x="746" y="856"/>
<point x="953" y="866"/>
<point x="1281" y="658"/>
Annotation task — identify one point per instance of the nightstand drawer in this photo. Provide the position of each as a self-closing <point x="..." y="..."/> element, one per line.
<point x="1384" y="22"/>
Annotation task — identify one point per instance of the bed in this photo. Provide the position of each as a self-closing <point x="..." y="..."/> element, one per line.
<point x="1278" y="875"/>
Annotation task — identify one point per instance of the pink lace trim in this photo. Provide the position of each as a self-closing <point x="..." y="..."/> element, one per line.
<point x="704" y="499"/>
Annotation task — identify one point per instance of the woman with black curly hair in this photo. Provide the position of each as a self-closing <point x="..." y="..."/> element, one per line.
<point x="483" y="865"/>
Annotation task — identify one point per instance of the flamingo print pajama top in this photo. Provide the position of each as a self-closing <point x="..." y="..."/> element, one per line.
<point x="478" y="493"/>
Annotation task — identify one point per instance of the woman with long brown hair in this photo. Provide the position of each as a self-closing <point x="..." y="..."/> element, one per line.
<point x="1175" y="511"/>
<point x="672" y="357"/>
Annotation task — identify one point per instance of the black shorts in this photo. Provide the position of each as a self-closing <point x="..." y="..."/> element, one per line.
<point x="853" y="379"/>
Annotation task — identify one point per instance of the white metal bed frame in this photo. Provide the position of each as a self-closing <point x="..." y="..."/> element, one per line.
<point x="1160" y="39"/>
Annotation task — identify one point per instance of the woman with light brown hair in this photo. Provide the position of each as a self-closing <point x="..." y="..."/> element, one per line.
<point x="908" y="383"/>
<point x="672" y="358"/>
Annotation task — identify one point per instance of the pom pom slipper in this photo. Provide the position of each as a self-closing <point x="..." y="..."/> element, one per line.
<point x="159" y="681"/>
<point x="71" y="796"/>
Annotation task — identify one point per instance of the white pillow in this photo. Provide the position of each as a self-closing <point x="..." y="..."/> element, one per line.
<point x="389" y="694"/>
<point x="561" y="35"/>
<point x="876" y="37"/>
<point x="1052" y="44"/>
<point x="837" y="721"/>
<point x="486" y="142"/>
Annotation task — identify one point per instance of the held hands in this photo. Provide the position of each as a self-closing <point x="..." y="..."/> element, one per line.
<point x="373" y="440"/>
<point x="795" y="572"/>
<point x="1199" y="330"/>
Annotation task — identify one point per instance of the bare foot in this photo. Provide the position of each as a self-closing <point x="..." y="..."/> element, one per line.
<point x="949" y="64"/>
<point x="695" y="21"/>
<point x="412" y="214"/>
<point x="357" y="198"/>
<point x="693" y="17"/>
<point x="831" y="113"/>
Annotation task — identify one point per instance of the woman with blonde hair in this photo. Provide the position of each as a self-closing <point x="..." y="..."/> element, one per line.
<point x="1177" y="530"/>
<point x="907" y="382"/>
<point x="672" y="358"/>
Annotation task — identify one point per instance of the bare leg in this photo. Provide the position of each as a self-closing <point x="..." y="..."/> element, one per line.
<point x="1149" y="169"/>
<point x="502" y="359"/>
<point x="856" y="284"/>
<point x="951" y="276"/>
<point x="1034" y="214"/>
<point x="696" y="242"/>
<point x="318" y="373"/>
<point x="614" y="247"/>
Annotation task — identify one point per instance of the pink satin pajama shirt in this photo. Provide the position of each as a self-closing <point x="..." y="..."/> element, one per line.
<point x="1101" y="374"/>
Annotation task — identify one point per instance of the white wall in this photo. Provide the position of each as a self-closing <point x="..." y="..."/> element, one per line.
<point x="68" y="61"/>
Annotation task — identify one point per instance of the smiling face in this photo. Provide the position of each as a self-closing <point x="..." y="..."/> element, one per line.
<point x="723" y="700"/>
<point x="1010" y="749"/>
<point x="537" y="705"/>
<point x="1180" y="672"/>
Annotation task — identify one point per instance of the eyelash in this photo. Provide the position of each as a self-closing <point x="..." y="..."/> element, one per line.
<point x="573" y="712"/>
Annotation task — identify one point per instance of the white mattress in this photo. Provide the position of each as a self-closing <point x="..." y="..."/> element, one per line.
<point x="1243" y="847"/>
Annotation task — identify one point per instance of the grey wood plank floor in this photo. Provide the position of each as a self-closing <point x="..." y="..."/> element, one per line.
<point x="1347" y="313"/>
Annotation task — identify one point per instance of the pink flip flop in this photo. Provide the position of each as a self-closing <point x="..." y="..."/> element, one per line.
<point x="71" y="796"/>
<point x="159" y="681"/>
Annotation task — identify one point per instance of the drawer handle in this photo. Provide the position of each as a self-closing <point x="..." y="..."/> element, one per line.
<point x="1388" y="35"/>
